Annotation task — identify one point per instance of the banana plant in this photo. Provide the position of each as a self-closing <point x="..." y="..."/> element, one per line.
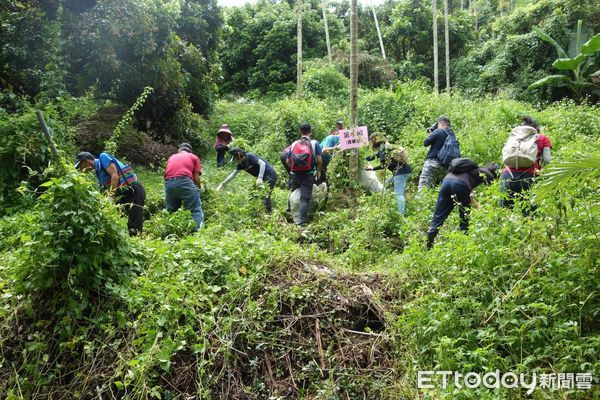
<point x="578" y="61"/>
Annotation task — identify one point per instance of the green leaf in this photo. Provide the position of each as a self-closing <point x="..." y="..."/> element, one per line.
<point x="591" y="46"/>
<point x="546" y="38"/>
<point x="556" y="80"/>
<point x="597" y="73"/>
<point x="569" y="64"/>
<point x="119" y="385"/>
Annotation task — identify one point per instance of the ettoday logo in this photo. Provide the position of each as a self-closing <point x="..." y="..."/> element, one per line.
<point x="509" y="380"/>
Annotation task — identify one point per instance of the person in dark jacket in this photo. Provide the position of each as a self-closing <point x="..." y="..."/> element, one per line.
<point x="255" y="166"/>
<point x="432" y="166"/>
<point x="400" y="173"/>
<point x="119" y="182"/>
<point x="457" y="189"/>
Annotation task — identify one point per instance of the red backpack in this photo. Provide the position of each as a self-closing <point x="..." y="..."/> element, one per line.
<point x="302" y="158"/>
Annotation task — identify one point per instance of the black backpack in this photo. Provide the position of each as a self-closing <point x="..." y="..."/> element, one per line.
<point x="462" y="165"/>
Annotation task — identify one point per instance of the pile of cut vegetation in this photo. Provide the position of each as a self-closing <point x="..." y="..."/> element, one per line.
<point x="309" y="332"/>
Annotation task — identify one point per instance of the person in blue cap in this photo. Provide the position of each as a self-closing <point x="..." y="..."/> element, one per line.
<point x="120" y="183"/>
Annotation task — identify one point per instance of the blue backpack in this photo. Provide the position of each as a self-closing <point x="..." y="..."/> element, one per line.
<point x="450" y="149"/>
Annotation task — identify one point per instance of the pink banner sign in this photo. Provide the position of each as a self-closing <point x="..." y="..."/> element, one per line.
<point x="353" y="138"/>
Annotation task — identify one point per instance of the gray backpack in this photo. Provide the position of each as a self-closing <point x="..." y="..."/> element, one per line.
<point x="520" y="150"/>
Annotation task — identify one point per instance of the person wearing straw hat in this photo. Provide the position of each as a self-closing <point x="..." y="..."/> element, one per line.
<point x="224" y="138"/>
<point x="183" y="184"/>
<point x="120" y="183"/>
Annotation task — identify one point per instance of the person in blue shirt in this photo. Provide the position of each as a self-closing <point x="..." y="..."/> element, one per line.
<point x="119" y="182"/>
<point x="255" y="166"/>
<point x="329" y="145"/>
<point x="305" y="179"/>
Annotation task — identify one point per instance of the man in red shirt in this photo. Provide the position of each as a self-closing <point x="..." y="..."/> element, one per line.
<point x="516" y="181"/>
<point x="182" y="183"/>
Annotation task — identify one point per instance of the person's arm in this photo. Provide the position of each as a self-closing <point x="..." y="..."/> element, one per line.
<point x="114" y="176"/>
<point x="371" y="158"/>
<point x="546" y="156"/>
<point x="319" y="165"/>
<point x="196" y="179"/>
<point x="431" y="138"/>
<point x="228" y="179"/>
<point x="261" y="165"/>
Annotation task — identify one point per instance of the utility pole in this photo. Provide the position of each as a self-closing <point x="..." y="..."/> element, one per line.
<point x="436" y="84"/>
<point x="326" y="31"/>
<point x="299" y="55"/>
<point x="353" y="167"/>
<point x="447" y="40"/>
<point x="378" y="31"/>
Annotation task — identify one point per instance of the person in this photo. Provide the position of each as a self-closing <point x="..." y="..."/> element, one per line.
<point x="400" y="169"/>
<point x="329" y="145"/>
<point x="305" y="162"/>
<point x="224" y="138"/>
<point x="457" y="188"/>
<point x="255" y="166"/>
<point x="120" y="183"/>
<point x="432" y="166"/>
<point x="516" y="181"/>
<point x="183" y="183"/>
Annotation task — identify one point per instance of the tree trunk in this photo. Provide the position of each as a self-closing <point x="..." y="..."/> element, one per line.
<point x="475" y="12"/>
<point x="512" y="5"/>
<point x="353" y="167"/>
<point x="378" y="31"/>
<point x="447" y="40"/>
<point x="435" y="48"/>
<point x="326" y="32"/>
<point x="462" y="5"/>
<point x="299" y="56"/>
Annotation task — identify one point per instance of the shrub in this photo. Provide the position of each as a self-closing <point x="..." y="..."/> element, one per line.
<point x="325" y="82"/>
<point x="77" y="246"/>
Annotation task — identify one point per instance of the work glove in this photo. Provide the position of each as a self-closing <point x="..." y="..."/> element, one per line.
<point x="259" y="182"/>
<point x="110" y="199"/>
<point x="202" y="189"/>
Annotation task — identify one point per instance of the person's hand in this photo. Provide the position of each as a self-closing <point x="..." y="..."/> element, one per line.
<point x="259" y="182"/>
<point x="201" y="189"/>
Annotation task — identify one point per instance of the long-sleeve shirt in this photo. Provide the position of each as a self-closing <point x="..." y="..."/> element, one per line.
<point x="387" y="162"/>
<point x="436" y="141"/>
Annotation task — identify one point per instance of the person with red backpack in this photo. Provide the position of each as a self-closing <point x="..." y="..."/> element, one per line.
<point x="523" y="155"/>
<point x="305" y="162"/>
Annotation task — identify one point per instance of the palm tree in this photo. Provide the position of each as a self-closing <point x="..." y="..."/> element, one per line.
<point x="447" y="40"/>
<point x="353" y="167"/>
<point x="326" y="31"/>
<point x="299" y="56"/>
<point x="435" y="47"/>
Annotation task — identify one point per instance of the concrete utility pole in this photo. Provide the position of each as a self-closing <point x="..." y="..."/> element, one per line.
<point x="326" y="32"/>
<point x="436" y="83"/>
<point x="353" y="167"/>
<point x="299" y="56"/>
<point x="378" y="31"/>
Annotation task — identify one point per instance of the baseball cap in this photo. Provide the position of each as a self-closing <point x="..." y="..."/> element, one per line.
<point x="185" y="146"/>
<point x="81" y="156"/>
<point x="305" y="127"/>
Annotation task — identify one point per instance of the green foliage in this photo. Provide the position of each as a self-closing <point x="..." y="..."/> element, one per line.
<point x="582" y="58"/>
<point x="325" y="82"/>
<point x="111" y="144"/>
<point x="259" y="44"/>
<point x="350" y="307"/>
<point x="77" y="245"/>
